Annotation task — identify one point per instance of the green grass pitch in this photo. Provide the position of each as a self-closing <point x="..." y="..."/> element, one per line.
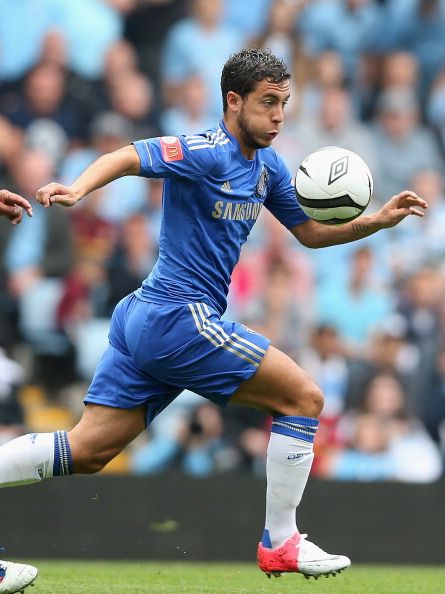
<point x="76" y="577"/>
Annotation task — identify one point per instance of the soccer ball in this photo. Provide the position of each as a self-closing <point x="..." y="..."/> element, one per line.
<point x="333" y="185"/>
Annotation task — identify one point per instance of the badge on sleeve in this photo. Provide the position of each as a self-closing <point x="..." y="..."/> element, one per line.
<point x="171" y="148"/>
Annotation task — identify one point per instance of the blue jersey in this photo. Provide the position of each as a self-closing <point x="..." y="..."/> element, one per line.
<point x="212" y="198"/>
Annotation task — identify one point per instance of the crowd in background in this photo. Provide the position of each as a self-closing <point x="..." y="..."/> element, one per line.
<point x="366" y="320"/>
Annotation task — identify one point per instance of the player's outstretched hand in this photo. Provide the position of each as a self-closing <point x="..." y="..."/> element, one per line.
<point x="399" y="207"/>
<point x="55" y="193"/>
<point x="12" y="206"/>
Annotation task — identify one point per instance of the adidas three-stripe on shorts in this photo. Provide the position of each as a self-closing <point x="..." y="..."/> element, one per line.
<point x="156" y="351"/>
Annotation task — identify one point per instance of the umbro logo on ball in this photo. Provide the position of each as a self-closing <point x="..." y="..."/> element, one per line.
<point x="339" y="168"/>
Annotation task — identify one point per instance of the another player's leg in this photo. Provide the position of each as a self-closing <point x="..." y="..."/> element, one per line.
<point x="282" y="388"/>
<point x="15" y="577"/>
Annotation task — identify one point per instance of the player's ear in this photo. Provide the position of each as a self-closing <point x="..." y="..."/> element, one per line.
<point x="234" y="101"/>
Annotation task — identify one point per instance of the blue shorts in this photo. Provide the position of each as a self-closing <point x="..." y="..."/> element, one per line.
<point x="156" y="351"/>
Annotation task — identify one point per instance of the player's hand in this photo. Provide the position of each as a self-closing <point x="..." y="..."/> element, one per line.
<point x="399" y="207"/>
<point x="12" y="206"/>
<point x="55" y="193"/>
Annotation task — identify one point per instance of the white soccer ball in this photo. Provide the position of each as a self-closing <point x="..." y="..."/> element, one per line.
<point x="333" y="185"/>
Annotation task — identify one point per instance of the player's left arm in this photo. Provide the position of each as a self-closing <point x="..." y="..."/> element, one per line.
<point x="315" y="235"/>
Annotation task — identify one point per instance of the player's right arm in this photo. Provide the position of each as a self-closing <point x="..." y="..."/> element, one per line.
<point x="163" y="157"/>
<point x="104" y="170"/>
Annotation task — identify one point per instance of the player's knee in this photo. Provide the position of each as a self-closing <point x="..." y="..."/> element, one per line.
<point x="313" y="401"/>
<point x="307" y="401"/>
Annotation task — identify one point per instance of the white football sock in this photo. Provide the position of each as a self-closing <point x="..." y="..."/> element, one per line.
<point x="34" y="457"/>
<point x="289" y="461"/>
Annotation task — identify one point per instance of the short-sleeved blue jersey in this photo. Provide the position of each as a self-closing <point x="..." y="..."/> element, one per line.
<point x="212" y="197"/>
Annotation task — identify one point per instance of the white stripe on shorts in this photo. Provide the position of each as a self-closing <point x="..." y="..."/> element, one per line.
<point x="219" y="337"/>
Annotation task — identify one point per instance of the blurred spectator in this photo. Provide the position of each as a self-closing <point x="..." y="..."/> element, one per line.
<point x="202" y="34"/>
<point x="120" y="60"/>
<point x="275" y="312"/>
<point x="246" y="436"/>
<point x="421" y="306"/>
<point x="248" y="17"/>
<point x="41" y="246"/>
<point x="189" y="432"/>
<point x="400" y="70"/>
<point x="131" y="96"/>
<point x="23" y="26"/>
<point x="356" y="302"/>
<point x="280" y="36"/>
<point x="326" y="72"/>
<point x="271" y="243"/>
<point x="365" y="456"/>
<point x="427" y="231"/>
<point x="387" y="351"/>
<point x="11" y="414"/>
<point x="146" y="28"/>
<point x="325" y="359"/>
<point x="108" y="131"/>
<point x="403" y="146"/>
<point x="132" y="259"/>
<point x="11" y="142"/>
<point x="191" y="114"/>
<point x="79" y="91"/>
<point x="349" y="27"/>
<point x="432" y="405"/>
<point x="417" y="26"/>
<point x="87" y="42"/>
<point x="93" y="235"/>
<point x="44" y="97"/>
<point x="82" y="297"/>
<point x="202" y="441"/>
<point x="385" y="440"/>
<point x="435" y="108"/>
<point x="9" y="332"/>
<point x="38" y="256"/>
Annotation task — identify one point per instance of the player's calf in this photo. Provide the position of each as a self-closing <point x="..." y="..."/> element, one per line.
<point x="34" y="457"/>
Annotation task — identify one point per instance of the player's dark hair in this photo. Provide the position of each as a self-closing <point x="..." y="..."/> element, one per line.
<point x="246" y="68"/>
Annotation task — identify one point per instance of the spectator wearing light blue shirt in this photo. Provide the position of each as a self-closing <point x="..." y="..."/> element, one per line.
<point x="349" y="27"/>
<point x="418" y="26"/>
<point x="403" y="145"/>
<point x="199" y="45"/>
<point x="23" y="26"/>
<point x="90" y="27"/>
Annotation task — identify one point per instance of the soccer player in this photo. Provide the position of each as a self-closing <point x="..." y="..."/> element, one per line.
<point x="168" y="335"/>
<point x="14" y="577"/>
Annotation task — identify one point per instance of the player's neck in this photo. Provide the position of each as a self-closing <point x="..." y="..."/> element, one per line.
<point x="233" y="128"/>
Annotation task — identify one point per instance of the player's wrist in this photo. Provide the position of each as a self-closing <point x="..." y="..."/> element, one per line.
<point x="77" y="193"/>
<point x="367" y="225"/>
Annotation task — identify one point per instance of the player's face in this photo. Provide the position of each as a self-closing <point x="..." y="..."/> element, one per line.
<point x="261" y="115"/>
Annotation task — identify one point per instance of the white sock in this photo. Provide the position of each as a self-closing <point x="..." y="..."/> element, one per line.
<point x="33" y="457"/>
<point x="289" y="460"/>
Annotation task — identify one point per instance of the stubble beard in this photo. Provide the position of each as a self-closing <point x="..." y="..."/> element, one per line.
<point x="247" y="137"/>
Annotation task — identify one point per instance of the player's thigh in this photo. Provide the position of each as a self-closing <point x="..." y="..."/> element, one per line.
<point x="102" y="432"/>
<point x="280" y="386"/>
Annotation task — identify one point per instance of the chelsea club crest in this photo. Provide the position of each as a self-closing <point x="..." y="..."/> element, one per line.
<point x="262" y="183"/>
